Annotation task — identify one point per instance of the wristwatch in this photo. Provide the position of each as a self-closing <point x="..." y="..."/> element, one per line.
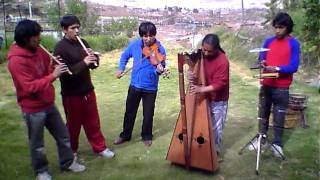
<point x="277" y="68"/>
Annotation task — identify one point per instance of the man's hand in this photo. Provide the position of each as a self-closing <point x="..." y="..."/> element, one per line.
<point x="263" y="63"/>
<point x="59" y="70"/>
<point x="90" y="59"/>
<point x="271" y="69"/>
<point x="90" y="51"/>
<point x="200" y="89"/>
<point x="190" y="76"/>
<point x="59" y="59"/>
<point x="194" y="89"/>
<point x="119" y="74"/>
<point x="160" y="68"/>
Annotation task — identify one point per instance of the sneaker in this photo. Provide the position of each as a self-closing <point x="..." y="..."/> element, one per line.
<point x="43" y="176"/>
<point x="107" y="153"/>
<point x="277" y="151"/>
<point x="254" y="145"/>
<point x="77" y="159"/>
<point x="76" y="167"/>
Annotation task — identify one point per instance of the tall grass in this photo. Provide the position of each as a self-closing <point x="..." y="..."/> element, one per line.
<point x="105" y="43"/>
<point x="4" y="50"/>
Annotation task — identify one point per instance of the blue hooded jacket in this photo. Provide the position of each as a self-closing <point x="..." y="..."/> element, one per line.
<point x="144" y="74"/>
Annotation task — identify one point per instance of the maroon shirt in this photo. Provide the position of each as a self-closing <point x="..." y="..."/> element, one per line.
<point x="217" y="75"/>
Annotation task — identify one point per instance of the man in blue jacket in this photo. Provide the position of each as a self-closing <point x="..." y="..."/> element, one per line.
<point x="144" y="82"/>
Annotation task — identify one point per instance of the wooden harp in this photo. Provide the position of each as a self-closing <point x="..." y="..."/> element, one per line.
<point x="192" y="143"/>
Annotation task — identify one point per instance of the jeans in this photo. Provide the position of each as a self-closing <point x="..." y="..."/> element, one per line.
<point x="132" y="105"/>
<point x="51" y="119"/>
<point x="218" y="116"/>
<point x="278" y="99"/>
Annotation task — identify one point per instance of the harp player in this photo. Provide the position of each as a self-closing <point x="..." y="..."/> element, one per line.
<point x="216" y="67"/>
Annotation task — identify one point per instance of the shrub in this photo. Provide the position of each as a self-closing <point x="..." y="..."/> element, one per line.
<point x="104" y="43"/>
<point x="48" y="42"/>
<point x="4" y="50"/>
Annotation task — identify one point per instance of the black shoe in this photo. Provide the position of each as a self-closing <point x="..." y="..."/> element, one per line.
<point x="119" y="140"/>
<point x="147" y="143"/>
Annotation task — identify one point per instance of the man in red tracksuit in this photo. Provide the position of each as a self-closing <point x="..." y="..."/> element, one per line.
<point x="79" y="99"/>
<point x="32" y="74"/>
<point x="283" y="57"/>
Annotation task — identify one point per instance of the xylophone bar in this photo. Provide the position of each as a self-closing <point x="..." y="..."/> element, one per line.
<point x="266" y="75"/>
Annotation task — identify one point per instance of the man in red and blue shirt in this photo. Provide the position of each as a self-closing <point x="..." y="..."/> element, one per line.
<point x="283" y="58"/>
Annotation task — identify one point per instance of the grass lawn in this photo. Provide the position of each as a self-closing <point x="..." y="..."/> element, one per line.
<point x="134" y="161"/>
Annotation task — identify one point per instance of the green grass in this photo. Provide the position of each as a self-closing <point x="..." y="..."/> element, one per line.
<point x="134" y="161"/>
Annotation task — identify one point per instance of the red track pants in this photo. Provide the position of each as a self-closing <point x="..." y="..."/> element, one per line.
<point x="82" y="110"/>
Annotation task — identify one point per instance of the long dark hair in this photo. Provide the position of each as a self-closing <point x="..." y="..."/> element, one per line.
<point x="283" y="19"/>
<point x="213" y="40"/>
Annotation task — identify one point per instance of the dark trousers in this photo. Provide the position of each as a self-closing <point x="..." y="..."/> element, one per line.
<point x="277" y="99"/>
<point x="132" y="105"/>
<point x="51" y="119"/>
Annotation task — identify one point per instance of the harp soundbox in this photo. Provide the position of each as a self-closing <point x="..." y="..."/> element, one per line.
<point x="192" y="143"/>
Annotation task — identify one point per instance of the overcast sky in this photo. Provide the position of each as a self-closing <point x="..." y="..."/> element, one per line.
<point x="212" y="4"/>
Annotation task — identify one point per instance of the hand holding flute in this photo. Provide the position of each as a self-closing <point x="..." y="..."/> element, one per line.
<point x="59" y="70"/>
<point x="89" y="59"/>
<point x="63" y="67"/>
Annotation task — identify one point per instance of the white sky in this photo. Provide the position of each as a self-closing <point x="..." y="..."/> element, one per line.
<point x="212" y="4"/>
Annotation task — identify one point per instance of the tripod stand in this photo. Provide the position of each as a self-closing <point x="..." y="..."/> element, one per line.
<point x="261" y="138"/>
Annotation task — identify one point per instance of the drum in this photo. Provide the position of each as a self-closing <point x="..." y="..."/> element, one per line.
<point x="295" y="112"/>
<point x="297" y="101"/>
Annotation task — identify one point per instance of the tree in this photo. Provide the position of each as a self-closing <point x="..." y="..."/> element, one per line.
<point x="312" y="28"/>
<point x="88" y="20"/>
<point x="273" y="9"/>
<point x="274" y="6"/>
<point x="312" y="24"/>
<point x="53" y="14"/>
<point x="124" y="25"/>
<point x="78" y="8"/>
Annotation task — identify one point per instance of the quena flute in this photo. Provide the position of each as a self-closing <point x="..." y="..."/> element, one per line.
<point x="84" y="47"/>
<point x="53" y="57"/>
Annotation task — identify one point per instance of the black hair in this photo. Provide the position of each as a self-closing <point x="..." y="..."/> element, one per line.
<point x="213" y="40"/>
<point x="68" y="20"/>
<point x="24" y="30"/>
<point x="283" y="19"/>
<point x="147" y="27"/>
